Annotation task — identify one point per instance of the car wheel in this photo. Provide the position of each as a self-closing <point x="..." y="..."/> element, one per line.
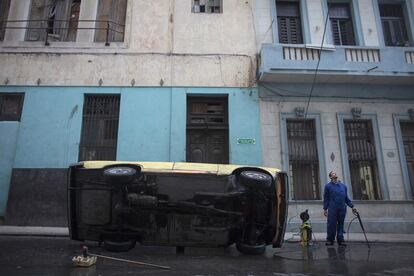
<point x="119" y="174"/>
<point x="254" y="179"/>
<point x="119" y="246"/>
<point x="251" y="249"/>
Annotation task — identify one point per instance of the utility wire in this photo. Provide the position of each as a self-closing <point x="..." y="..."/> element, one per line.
<point x="317" y="65"/>
<point x="310" y="96"/>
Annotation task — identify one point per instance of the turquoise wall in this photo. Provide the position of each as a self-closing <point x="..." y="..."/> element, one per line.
<point x="152" y="126"/>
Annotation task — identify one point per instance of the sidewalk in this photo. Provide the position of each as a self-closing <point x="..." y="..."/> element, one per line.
<point x="289" y="236"/>
<point x="358" y="237"/>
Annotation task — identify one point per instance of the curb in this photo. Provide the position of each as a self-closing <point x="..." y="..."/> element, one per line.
<point x="34" y="231"/>
<point x="289" y="236"/>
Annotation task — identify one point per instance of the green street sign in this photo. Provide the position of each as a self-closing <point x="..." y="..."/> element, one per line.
<point x="246" y="141"/>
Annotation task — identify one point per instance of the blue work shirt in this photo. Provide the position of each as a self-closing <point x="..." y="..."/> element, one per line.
<point x="336" y="196"/>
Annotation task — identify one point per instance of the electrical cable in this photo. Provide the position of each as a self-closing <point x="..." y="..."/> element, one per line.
<point x="317" y="65"/>
<point x="309" y="99"/>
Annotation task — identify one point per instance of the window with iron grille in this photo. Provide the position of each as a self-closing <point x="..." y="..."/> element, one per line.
<point x="11" y="105"/>
<point x="289" y="22"/>
<point x="341" y="24"/>
<point x="362" y="159"/>
<point x="99" y="127"/>
<point x="4" y="13"/>
<point x="407" y="133"/>
<point x="393" y="25"/>
<point x="111" y="20"/>
<point x="207" y="6"/>
<point x="56" y="19"/>
<point x="303" y="159"/>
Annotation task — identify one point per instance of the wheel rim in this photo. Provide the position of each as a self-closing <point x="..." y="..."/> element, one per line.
<point x="256" y="175"/>
<point x="121" y="171"/>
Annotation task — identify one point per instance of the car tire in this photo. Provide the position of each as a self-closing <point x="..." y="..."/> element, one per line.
<point x="254" y="179"/>
<point x="251" y="249"/>
<point x="119" y="246"/>
<point x="119" y="174"/>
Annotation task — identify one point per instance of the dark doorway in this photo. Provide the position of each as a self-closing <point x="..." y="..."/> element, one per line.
<point x="407" y="132"/>
<point x="207" y="130"/>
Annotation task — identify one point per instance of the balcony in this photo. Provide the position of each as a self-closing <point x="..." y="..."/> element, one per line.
<point x="341" y="64"/>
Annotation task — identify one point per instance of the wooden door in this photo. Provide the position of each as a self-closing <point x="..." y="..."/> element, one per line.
<point x="207" y="130"/>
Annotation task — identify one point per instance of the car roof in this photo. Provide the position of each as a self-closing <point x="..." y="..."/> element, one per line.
<point x="179" y="167"/>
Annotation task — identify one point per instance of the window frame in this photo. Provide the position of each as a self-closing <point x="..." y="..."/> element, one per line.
<point x="351" y="18"/>
<point x="399" y="118"/>
<point x="319" y="144"/>
<point x="303" y="17"/>
<point x="83" y="128"/>
<point x="64" y="10"/>
<point x="193" y="8"/>
<point x="21" y="102"/>
<point x="408" y="14"/>
<point x="378" y="151"/>
<point x="112" y="14"/>
<point x="356" y="22"/>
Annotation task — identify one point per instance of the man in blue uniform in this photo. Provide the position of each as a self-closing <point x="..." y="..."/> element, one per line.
<point x="335" y="199"/>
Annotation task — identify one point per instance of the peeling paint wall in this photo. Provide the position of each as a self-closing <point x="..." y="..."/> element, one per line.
<point x="164" y="41"/>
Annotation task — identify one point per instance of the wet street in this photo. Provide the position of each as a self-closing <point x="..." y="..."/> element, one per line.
<point x="53" y="256"/>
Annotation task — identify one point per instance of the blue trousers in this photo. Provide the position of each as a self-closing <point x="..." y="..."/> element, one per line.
<point x="336" y="218"/>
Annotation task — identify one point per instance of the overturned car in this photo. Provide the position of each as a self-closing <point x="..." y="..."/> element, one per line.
<point x="177" y="204"/>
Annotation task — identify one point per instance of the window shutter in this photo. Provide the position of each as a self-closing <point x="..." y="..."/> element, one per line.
<point x="289" y="23"/>
<point x="4" y="11"/>
<point x="112" y="11"/>
<point x="335" y="32"/>
<point x="119" y="9"/>
<point x="341" y="24"/>
<point x="283" y="32"/>
<point x="392" y="18"/>
<point x="295" y="31"/>
<point x="39" y="10"/>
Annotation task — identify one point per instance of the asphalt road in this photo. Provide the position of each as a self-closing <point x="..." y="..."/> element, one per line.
<point x="52" y="256"/>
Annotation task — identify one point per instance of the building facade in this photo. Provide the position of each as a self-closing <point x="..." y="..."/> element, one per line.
<point x="127" y="80"/>
<point x="337" y="93"/>
<point x="263" y="82"/>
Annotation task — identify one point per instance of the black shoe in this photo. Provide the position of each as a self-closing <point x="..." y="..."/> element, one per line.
<point x="329" y="243"/>
<point x="341" y="244"/>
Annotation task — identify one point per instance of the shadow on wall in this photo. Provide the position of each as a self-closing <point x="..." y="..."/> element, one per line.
<point x="37" y="197"/>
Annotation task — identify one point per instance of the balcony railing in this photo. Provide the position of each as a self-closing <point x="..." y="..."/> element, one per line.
<point x="294" y="62"/>
<point x="65" y="30"/>
<point x="409" y="56"/>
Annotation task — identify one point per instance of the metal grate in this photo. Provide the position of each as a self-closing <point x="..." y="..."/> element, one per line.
<point x="362" y="159"/>
<point x="303" y="159"/>
<point x="99" y="127"/>
<point x="407" y="132"/>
